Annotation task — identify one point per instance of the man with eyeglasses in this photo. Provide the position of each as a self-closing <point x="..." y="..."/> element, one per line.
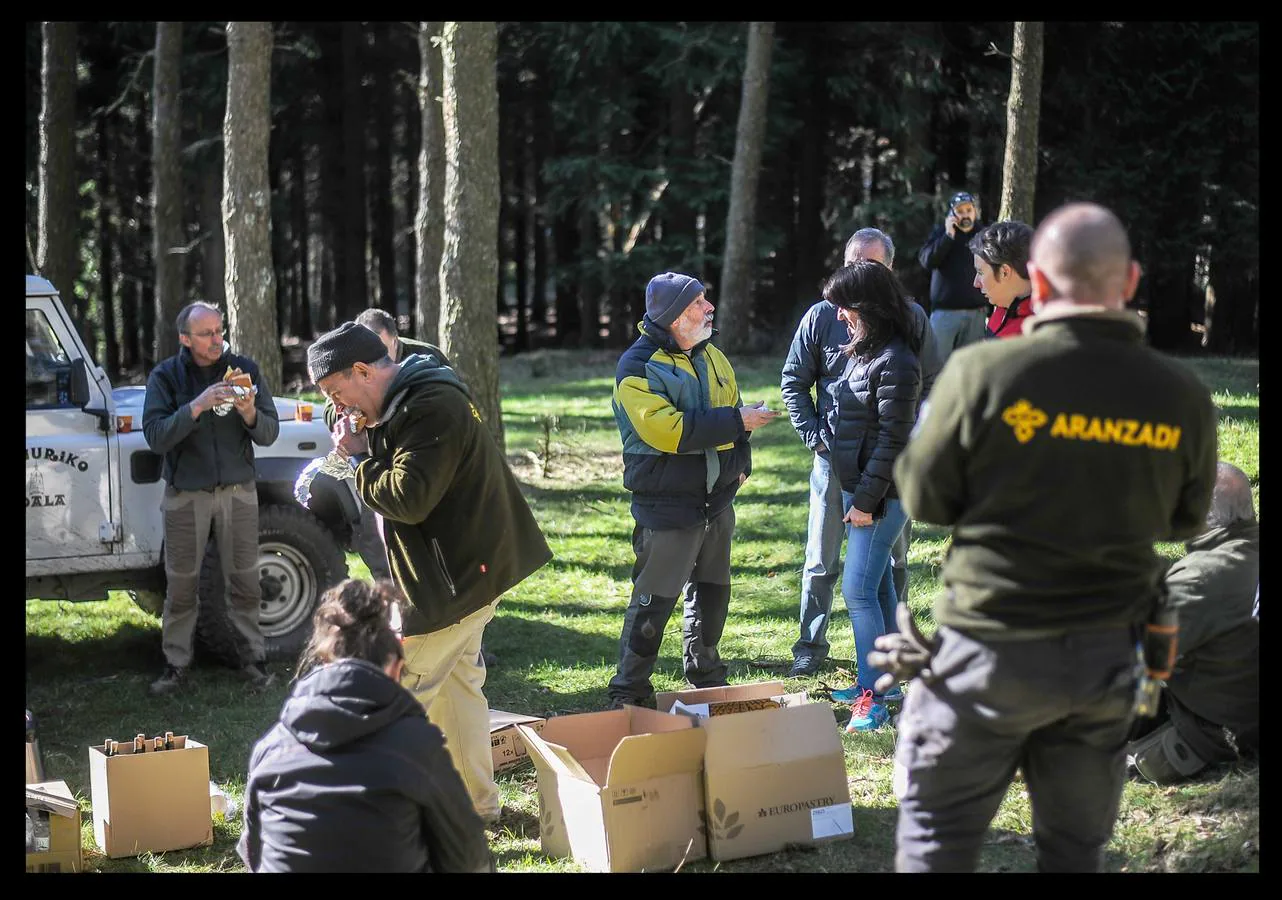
<point x="815" y="361"/>
<point x="205" y="429"/>
<point x="957" y="307"/>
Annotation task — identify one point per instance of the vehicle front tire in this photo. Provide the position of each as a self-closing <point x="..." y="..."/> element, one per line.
<point x="298" y="560"/>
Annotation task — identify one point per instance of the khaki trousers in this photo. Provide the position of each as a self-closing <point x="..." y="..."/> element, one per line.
<point x="231" y="513"/>
<point x="445" y="672"/>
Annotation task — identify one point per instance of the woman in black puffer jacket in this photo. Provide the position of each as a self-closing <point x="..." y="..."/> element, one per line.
<point x="875" y="405"/>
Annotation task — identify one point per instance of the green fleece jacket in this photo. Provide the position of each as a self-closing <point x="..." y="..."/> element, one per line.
<point x="1058" y="459"/>
<point x="458" y="530"/>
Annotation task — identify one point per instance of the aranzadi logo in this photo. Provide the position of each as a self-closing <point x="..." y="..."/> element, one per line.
<point x="1024" y="419"/>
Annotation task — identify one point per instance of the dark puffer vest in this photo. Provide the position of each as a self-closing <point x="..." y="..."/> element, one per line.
<point x="874" y="407"/>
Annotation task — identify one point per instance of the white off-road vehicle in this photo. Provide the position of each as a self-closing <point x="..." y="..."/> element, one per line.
<point x="94" y="488"/>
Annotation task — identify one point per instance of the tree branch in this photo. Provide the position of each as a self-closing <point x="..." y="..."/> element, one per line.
<point x="133" y="79"/>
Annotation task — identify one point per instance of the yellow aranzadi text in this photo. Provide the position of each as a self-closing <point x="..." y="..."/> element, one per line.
<point x="1025" y="419"/>
<point x="1128" y="432"/>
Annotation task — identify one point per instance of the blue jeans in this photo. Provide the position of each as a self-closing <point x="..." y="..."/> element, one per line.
<point x="955" y="328"/>
<point x="824" y="533"/>
<point x="868" y="584"/>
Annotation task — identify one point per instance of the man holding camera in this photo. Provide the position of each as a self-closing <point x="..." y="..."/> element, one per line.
<point x="957" y="307"/>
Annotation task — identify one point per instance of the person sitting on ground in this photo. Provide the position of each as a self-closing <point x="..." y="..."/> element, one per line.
<point x="354" y="778"/>
<point x="1210" y="710"/>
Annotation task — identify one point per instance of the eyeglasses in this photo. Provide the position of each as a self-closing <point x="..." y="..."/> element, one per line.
<point x="961" y="197"/>
<point x="206" y="335"/>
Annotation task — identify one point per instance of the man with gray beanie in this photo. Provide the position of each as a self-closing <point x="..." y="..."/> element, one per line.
<point x="457" y="529"/>
<point x="685" y="431"/>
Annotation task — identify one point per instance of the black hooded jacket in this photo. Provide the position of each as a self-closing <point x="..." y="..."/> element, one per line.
<point x="353" y="778"/>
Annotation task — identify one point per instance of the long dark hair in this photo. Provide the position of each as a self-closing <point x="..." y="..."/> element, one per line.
<point x="353" y="621"/>
<point x="875" y="294"/>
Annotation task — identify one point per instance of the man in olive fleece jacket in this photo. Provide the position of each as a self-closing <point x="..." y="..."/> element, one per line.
<point x="458" y="530"/>
<point x="1058" y="460"/>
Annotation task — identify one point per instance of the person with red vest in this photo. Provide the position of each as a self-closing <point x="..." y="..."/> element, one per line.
<point x="1001" y="274"/>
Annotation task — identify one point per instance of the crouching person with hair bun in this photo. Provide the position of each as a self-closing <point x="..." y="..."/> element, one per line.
<point x="354" y="778"/>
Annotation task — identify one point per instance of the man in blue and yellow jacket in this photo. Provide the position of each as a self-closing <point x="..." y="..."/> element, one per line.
<point x="685" y="453"/>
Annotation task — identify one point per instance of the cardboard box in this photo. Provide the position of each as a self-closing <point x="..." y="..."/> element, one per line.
<point x="53" y="828"/>
<point x="153" y="801"/>
<point x="620" y="791"/>
<point x="505" y="742"/>
<point x="773" y="776"/>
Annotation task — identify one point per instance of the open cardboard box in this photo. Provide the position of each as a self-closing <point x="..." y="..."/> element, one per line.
<point x="150" y="801"/>
<point x="620" y="791"/>
<point x="506" y="745"/>
<point x="774" y="776"/>
<point x="53" y="842"/>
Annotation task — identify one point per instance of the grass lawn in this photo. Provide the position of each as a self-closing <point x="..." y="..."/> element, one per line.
<point x="556" y="636"/>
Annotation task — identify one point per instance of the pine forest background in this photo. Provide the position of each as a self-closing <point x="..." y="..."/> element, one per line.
<point x="615" y="146"/>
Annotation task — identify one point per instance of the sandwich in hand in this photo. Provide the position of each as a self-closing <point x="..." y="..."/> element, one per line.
<point x="238" y="378"/>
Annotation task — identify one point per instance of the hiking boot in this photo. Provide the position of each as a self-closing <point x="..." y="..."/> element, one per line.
<point x="257" y="676"/>
<point x="804" y="667"/>
<point x="166" y="683"/>
<point x="866" y="714"/>
<point x="492" y="820"/>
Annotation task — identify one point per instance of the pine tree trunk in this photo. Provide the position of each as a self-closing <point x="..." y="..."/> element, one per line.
<point x="353" y="296"/>
<point x="381" y="178"/>
<point x="541" y="125"/>
<point x="106" y="269"/>
<point x="429" y="225"/>
<point x="469" y="259"/>
<point x="56" y="253"/>
<point x="735" y="305"/>
<point x="1023" y="108"/>
<point x="250" y="279"/>
<point x="167" y="185"/>
<point x="810" y="237"/>
<point x="302" y="324"/>
<point x="213" y="248"/>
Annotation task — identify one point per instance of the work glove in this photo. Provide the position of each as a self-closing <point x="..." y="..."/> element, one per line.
<point x="902" y="656"/>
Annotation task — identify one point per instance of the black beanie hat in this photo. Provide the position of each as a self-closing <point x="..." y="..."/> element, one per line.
<point x="341" y="348"/>
<point x="668" y="295"/>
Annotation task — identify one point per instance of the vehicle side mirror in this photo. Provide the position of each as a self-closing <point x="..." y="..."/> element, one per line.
<point x="79" y="383"/>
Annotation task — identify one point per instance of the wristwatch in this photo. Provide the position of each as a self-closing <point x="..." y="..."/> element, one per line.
<point x="355" y="459"/>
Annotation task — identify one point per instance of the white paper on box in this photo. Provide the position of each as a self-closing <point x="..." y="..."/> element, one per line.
<point x="832" y="821"/>
<point x="698" y="710"/>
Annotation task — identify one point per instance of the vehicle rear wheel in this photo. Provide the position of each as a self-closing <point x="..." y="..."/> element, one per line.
<point x="298" y="560"/>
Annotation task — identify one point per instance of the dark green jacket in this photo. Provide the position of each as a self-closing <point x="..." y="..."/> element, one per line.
<point x="1058" y="459"/>
<point x="458" y="530"/>
<point x="407" y="348"/>
<point x="214" y="450"/>
<point x="1217" y="674"/>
